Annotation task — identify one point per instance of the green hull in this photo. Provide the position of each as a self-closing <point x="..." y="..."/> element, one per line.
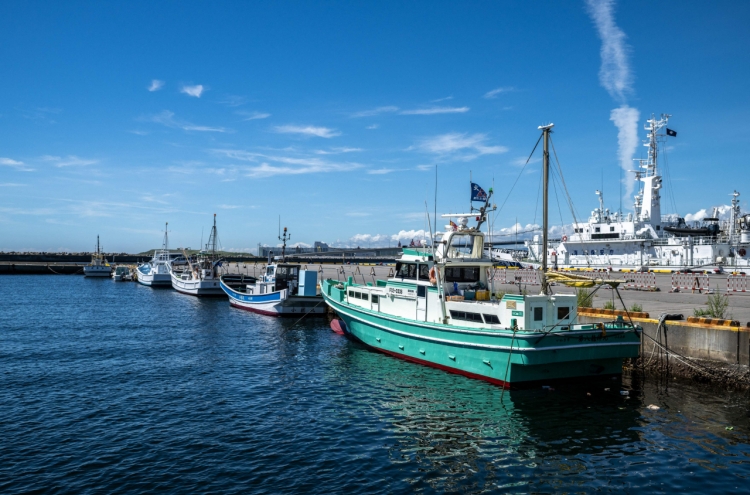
<point x="499" y="356"/>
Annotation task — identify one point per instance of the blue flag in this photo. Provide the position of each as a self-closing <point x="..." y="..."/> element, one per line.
<point x="477" y="193"/>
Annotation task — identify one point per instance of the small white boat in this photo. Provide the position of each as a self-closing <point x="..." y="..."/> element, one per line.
<point x="200" y="278"/>
<point x="98" y="266"/>
<point x="155" y="273"/>
<point x="284" y="290"/>
<point x="122" y="274"/>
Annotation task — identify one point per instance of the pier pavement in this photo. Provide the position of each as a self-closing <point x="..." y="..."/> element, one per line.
<point x="652" y="302"/>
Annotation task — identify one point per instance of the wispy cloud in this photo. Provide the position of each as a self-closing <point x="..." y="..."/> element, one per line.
<point x="521" y="161"/>
<point x="466" y="146"/>
<point x="442" y="99"/>
<point x="11" y="184"/>
<point x="614" y="74"/>
<point x="337" y="151"/>
<point x="252" y="115"/>
<point x="495" y="92"/>
<point x="16" y="164"/>
<point x="371" y="127"/>
<point x="229" y="207"/>
<point x="156" y="85"/>
<point x="69" y="161"/>
<point x="41" y="114"/>
<point x="616" y="77"/>
<point x="308" y="130"/>
<point x="195" y="91"/>
<point x="381" y="171"/>
<point x="376" y="111"/>
<point x="274" y="164"/>
<point x="167" y="118"/>
<point x="435" y="110"/>
<point x="234" y="100"/>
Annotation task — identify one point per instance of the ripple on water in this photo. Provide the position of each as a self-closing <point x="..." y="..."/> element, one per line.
<point x="117" y="387"/>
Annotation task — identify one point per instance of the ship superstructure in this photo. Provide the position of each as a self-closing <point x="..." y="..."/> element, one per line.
<point x="645" y="239"/>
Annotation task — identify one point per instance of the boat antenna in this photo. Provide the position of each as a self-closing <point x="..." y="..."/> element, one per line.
<point x="546" y="130"/>
<point x="435" y="215"/>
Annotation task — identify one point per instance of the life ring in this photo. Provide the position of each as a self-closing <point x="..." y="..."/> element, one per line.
<point x="565" y="238"/>
<point x="742" y="252"/>
<point x="433" y="279"/>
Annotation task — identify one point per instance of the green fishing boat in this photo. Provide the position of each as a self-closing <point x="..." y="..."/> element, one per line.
<point x="438" y="309"/>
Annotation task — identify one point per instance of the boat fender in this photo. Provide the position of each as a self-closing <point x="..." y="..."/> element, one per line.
<point x="565" y="238"/>
<point x="433" y="279"/>
<point x="742" y="251"/>
<point x="601" y="327"/>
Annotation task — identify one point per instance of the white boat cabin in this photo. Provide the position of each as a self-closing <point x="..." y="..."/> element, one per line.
<point x="454" y="286"/>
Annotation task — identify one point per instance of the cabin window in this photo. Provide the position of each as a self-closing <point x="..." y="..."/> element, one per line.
<point x="575" y="252"/>
<point x="462" y="274"/>
<point x="658" y="227"/>
<point x="406" y="270"/>
<point x="374" y="298"/>
<point x="563" y="313"/>
<point x="601" y="252"/>
<point x="269" y="270"/>
<point x="466" y="246"/>
<point x="466" y="316"/>
<point x="491" y="319"/>
<point x="597" y="229"/>
<point x="424" y="272"/>
<point x="538" y="314"/>
<point x="365" y="296"/>
<point x="421" y="291"/>
<point x="351" y="293"/>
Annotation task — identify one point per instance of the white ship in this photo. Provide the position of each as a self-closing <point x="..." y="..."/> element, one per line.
<point x="98" y="266"/>
<point x="200" y="278"/>
<point x="155" y="273"/>
<point x="645" y="239"/>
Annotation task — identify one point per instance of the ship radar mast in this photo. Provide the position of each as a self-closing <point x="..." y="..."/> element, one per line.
<point x="648" y="201"/>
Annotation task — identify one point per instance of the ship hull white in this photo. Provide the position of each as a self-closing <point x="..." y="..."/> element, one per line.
<point x="199" y="288"/>
<point x="155" y="280"/>
<point x="276" y="303"/>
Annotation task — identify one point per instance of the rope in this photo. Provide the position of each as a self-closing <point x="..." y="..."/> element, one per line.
<point x="507" y="366"/>
<point x="306" y="313"/>
<point x="517" y="178"/>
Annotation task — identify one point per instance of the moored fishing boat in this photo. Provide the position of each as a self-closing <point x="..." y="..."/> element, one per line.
<point x="155" y="272"/>
<point x="283" y="290"/>
<point x="200" y="277"/>
<point x="439" y="309"/>
<point x="98" y="266"/>
<point x="122" y="273"/>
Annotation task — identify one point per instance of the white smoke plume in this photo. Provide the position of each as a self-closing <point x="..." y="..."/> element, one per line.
<point x="616" y="77"/>
<point x="626" y="120"/>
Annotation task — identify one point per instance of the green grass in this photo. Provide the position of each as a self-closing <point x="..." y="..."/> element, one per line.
<point x="583" y="296"/>
<point x="636" y="308"/>
<point x="609" y="305"/>
<point x="716" y="307"/>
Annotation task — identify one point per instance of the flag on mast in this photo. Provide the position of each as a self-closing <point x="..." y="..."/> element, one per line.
<point x="670" y="132"/>
<point x="477" y="193"/>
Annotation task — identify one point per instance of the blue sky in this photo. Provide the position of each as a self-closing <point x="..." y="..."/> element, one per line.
<point x="116" y="118"/>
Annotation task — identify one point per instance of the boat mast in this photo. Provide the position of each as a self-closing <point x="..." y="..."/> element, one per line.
<point x="546" y="129"/>
<point x="284" y="238"/>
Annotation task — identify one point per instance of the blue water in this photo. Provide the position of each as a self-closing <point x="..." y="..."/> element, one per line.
<point x="114" y="387"/>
